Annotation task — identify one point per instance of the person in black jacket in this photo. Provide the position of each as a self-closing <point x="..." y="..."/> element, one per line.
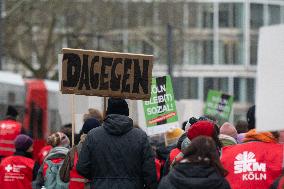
<point x="200" y="168"/>
<point x="116" y="155"/>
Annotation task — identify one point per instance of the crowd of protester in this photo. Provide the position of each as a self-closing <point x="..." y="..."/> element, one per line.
<point x="114" y="153"/>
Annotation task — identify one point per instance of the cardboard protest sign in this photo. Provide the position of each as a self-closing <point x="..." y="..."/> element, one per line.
<point x="160" y="111"/>
<point x="219" y="105"/>
<point x="101" y="73"/>
<point x="270" y="79"/>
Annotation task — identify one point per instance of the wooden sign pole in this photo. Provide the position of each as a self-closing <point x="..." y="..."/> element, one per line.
<point x="165" y="138"/>
<point x="105" y="104"/>
<point x="73" y="120"/>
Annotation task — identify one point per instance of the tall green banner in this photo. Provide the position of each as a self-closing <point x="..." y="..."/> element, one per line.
<point x="160" y="111"/>
<point x="219" y="105"/>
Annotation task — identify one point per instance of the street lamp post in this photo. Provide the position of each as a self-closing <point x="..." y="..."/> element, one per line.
<point x="170" y="49"/>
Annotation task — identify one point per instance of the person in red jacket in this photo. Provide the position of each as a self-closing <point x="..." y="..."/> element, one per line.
<point x="68" y="172"/>
<point x="199" y="128"/>
<point x="18" y="171"/>
<point x="48" y="173"/>
<point x="43" y="153"/>
<point x="254" y="164"/>
<point x="9" y="130"/>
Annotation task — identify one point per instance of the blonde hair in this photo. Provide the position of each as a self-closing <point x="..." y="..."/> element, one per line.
<point x="93" y="113"/>
<point x="173" y="135"/>
<point x="58" y="139"/>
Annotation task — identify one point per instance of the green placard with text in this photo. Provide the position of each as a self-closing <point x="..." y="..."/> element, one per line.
<point x="160" y="110"/>
<point x="219" y="104"/>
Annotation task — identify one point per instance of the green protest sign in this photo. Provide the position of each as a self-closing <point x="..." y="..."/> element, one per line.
<point x="160" y="111"/>
<point x="219" y="104"/>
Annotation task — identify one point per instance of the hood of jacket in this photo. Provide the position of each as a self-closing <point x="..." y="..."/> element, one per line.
<point x="188" y="175"/>
<point x="164" y="151"/>
<point x="254" y="135"/>
<point x="57" y="152"/>
<point x="180" y="140"/>
<point x="116" y="124"/>
<point x="23" y="153"/>
<point x="227" y="140"/>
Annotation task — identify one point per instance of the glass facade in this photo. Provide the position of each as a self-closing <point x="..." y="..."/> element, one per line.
<point x="198" y="42"/>
<point x="220" y="84"/>
<point x="214" y="42"/>
<point x="274" y="13"/>
<point x="223" y="35"/>
<point x="189" y="86"/>
<point x="231" y="33"/>
<point x="229" y="38"/>
<point x="244" y="90"/>
<point x="256" y="16"/>
<point x="231" y="15"/>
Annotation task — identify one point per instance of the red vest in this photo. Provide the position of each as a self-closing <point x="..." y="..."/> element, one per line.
<point x="158" y="168"/>
<point x="16" y="172"/>
<point x="76" y="180"/>
<point x="55" y="161"/>
<point x="173" y="154"/>
<point x="9" y="130"/>
<point x="43" y="153"/>
<point x="281" y="183"/>
<point x="252" y="165"/>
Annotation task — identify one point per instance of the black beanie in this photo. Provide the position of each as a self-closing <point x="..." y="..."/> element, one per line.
<point x="11" y="111"/>
<point x="117" y="106"/>
<point x="251" y="117"/>
<point x="90" y="124"/>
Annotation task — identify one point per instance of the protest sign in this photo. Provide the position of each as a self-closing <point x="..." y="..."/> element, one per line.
<point x="160" y="111"/>
<point x="218" y="105"/>
<point x="270" y="76"/>
<point x="111" y="74"/>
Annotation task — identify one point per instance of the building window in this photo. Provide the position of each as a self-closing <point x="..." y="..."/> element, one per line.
<point x="230" y="51"/>
<point x="134" y="46"/>
<point x="274" y="14"/>
<point x="282" y="14"/>
<point x="198" y="52"/>
<point x="178" y="87"/>
<point x="225" y="12"/>
<point x="237" y="89"/>
<point x="192" y="88"/>
<point x="244" y="90"/>
<point x="253" y="49"/>
<point x="230" y="15"/>
<point x="193" y="15"/>
<point x="256" y="15"/>
<point x="147" y="48"/>
<point x="185" y="87"/>
<point x="207" y="51"/>
<point x="251" y="90"/>
<point x="207" y="15"/>
<point x="220" y="84"/>
<point x="231" y="20"/>
<point x="191" y="53"/>
<point x="208" y="85"/>
<point x="117" y="43"/>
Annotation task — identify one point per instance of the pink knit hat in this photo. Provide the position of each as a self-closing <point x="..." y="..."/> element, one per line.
<point x="281" y="137"/>
<point x="229" y="129"/>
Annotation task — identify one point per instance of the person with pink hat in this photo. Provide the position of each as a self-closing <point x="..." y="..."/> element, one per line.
<point x="228" y="134"/>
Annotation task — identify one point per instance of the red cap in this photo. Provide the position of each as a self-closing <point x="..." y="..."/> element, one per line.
<point x="205" y="128"/>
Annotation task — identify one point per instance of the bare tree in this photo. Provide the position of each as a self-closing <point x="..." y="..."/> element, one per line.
<point x="34" y="32"/>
